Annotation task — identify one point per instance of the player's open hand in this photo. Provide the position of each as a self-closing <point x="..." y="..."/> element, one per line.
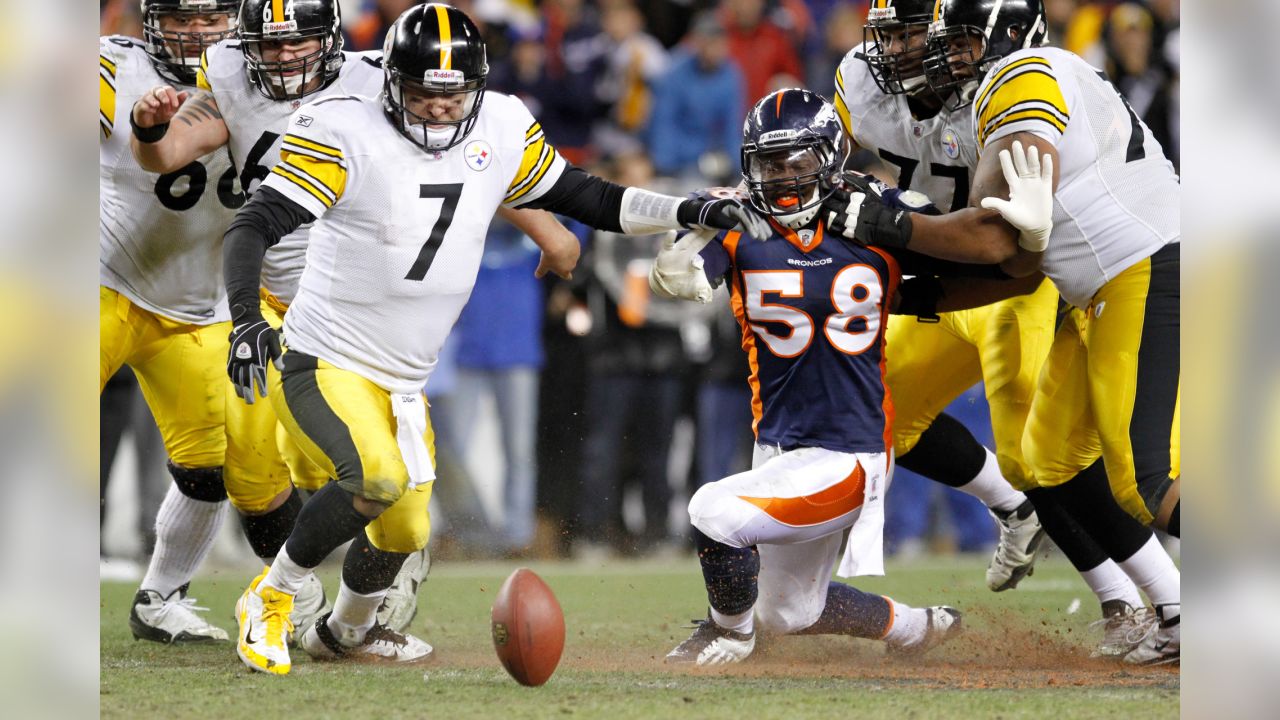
<point x="158" y="106"/>
<point x="1030" y="204"/>
<point x="254" y="343"/>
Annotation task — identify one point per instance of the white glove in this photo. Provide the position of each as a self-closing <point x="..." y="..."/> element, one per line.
<point x="677" y="271"/>
<point x="1030" y="204"/>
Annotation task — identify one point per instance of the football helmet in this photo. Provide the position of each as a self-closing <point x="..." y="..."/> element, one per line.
<point x="176" y="53"/>
<point x="291" y="21"/>
<point x="434" y="50"/>
<point x="893" y="27"/>
<point x="792" y="148"/>
<point x="1000" y="27"/>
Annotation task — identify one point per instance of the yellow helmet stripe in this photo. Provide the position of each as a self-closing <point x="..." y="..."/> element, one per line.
<point x="446" y="38"/>
<point x="937" y="10"/>
<point x="277" y="10"/>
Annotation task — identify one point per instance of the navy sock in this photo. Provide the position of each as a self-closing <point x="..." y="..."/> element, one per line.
<point x="730" y="574"/>
<point x="850" y="611"/>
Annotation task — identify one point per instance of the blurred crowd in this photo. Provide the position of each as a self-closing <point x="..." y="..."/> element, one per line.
<point x="605" y="407"/>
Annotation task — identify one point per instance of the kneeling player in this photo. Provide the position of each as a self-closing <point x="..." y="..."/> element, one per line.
<point x="812" y="310"/>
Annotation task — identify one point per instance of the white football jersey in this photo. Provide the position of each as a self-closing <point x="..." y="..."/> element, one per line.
<point x="395" y="252"/>
<point x="160" y="236"/>
<point x="935" y="156"/>
<point x="1118" y="196"/>
<point x="256" y="123"/>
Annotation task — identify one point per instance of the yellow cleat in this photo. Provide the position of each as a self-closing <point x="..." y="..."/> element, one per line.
<point x="263" y="614"/>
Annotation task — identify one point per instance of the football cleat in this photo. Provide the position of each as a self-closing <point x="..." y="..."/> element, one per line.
<point x="309" y="604"/>
<point x="711" y="644"/>
<point x="380" y="644"/>
<point x="1015" y="556"/>
<point x="400" y="605"/>
<point x="1163" y="642"/>
<point x="943" y="624"/>
<point x="171" y="619"/>
<point x="263" y="614"/>
<point x="1123" y="628"/>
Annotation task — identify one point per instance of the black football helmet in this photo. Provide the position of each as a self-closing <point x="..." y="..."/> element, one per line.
<point x="276" y="21"/>
<point x="999" y="28"/>
<point x="176" y="53"/>
<point x="897" y="67"/>
<point x="434" y="50"/>
<point x="792" y="149"/>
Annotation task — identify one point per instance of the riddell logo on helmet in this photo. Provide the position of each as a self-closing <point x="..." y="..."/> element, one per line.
<point x="450" y="76"/>
<point x="280" y="27"/>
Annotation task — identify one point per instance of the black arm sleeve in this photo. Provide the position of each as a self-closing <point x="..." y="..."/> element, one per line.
<point x="261" y="223"/>
<point x="914" y="263"/>
<point x="584" y="197"/>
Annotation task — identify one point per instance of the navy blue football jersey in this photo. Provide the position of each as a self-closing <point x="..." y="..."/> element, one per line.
<point x="813" y="311"/>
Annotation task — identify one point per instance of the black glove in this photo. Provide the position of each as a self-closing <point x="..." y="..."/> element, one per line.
<point x="723" y="214"/>
<point x="856" y="212"/>
<point x="253" y="343"/>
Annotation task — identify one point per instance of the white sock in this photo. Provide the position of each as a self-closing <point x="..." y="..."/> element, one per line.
<point x="1109" y="582"/>
<point x="1153" y="570"/>
<point x="909" y="624"/>
<point x="742" y="622"/>
<point x="992" y="489"/>
<point x="185" y="530"/>
<point x="285" y="575"/>
<point x="353" y="614"/>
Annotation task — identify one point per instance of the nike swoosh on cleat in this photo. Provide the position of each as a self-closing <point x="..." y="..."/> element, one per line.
<point x="247" y="633"/>
<point x="1161" y="646"/>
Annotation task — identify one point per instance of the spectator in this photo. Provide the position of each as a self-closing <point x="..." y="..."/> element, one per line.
<point x="573" y="62"/>
<point x="1139" y="72"/>
<point x="368" y="29"/>
<point x="499" y="356"/>
<point x="842" y="31"/>
<point x="761" y="50"/>
<point x="634" y="63"/>
<point x="698" y="109"/>
<point x="1073" y="25"/>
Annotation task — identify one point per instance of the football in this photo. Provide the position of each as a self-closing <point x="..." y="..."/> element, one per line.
<point x="528" y="628"/>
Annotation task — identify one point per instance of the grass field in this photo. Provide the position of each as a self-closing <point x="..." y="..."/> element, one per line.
<point x="1022" y="655"/>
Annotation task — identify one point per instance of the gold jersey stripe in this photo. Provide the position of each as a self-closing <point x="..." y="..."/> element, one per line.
<point x="533" y="129"/>
<point x="1031" y="86"/>
<point x="1021" y="115"/>
<point x="303" y="183"/>
<point x="446" y="38"/>
<point x="314" y="182"/>
<point x="840" y="80"/>
<point x="107" y="65"/>
<point x="327" y="173"/>
<point x="321" y="148"/>
<point x="531" y="181"/>
<point x="842" y="111"/>
<point x="106" y="105"/>
<point x="995" y="80"/>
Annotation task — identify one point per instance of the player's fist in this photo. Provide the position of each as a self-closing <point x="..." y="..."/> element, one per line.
<point x="158" y="106"/>
<point x="254" y="343"/>
<point x="855" y="211"/>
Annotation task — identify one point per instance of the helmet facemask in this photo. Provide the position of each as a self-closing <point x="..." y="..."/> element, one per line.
<point x="450" y="90"/>
<point x="957" y="60"/>
<point x="297" y="77"/>
<point x="895" y="52"/>
<point x="790" y="181"/>
<point x="176" y="51"/>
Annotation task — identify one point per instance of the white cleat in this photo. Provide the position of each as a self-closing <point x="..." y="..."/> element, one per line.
<point x="263" y="614"/>
<point x="171" y="619"/>
<point x="1163" y="644"/>
<point x="309" y="604"/>
<point x="711" y="644"/>
<point x="1123" y="628"/>
<point x="943" y="624"/>
<point x="380" y="644"/>
<point x="400" y="605"/>
<point x="1015" y="556"/>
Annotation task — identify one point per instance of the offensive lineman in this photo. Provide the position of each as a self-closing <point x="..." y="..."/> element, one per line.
<point x="886" y="105"/>
<point x="161" y="309"/>
<point x="401" y="186"/>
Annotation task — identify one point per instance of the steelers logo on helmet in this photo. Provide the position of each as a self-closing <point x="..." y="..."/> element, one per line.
<point x="292" y="48"/>
<point x="435" y="69"/>
<point x="895" y="44"/>
<point x="792" y="147"/>
<point x="176" y="33"/>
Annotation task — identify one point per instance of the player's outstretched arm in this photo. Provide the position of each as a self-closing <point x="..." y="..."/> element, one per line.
<point x="560" y="248"/>
<point x="172" y="128"/>
<point x="267" y="217"/>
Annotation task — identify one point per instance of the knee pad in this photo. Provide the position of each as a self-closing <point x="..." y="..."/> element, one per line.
<point x="204" y="484"/>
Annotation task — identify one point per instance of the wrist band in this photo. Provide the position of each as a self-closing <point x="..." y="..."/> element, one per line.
<point x="147" y="135"/>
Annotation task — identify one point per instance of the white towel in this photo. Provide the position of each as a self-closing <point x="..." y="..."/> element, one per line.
<point x="410" y="411"/>
<point x="864" y="552"/>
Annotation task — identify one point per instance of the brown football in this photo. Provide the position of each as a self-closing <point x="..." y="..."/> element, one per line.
<point x="528" y="628"/>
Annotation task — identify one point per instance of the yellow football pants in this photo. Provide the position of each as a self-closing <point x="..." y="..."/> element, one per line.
<point x="181" y="370"/>
<point x="261" y="458"/>
<point x="1111" y="387"/>
<point x="1002" y="345"/>
<point x="344" y="424"/>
